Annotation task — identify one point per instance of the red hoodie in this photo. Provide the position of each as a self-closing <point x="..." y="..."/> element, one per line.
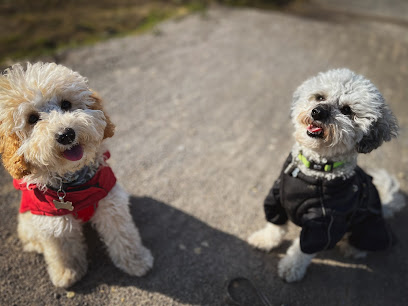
<point x="84" y="197"/>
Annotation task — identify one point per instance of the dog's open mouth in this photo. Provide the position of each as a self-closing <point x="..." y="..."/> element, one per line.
<point x="313" y="130"/>
<point x="74" y="154"/>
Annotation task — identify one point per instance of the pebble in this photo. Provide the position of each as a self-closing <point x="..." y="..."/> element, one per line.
<point x="197" y="251"/>
<point x="205" y="244"/>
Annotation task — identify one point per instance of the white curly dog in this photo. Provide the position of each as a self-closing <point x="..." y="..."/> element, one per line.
<point x="337" y="115"/>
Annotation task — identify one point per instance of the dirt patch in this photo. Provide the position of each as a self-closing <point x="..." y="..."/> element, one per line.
<point x="33" y="28"/>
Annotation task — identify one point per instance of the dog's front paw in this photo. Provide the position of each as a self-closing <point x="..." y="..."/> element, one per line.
<point x="262" y="241"/>
<point x="291" y="270"/>
<point x="137" y="265"/>
<point x="65" y="277"/>
<point x="267" y="238"/>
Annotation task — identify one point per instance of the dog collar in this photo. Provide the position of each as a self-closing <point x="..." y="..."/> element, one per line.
<point x="328" y="167"/>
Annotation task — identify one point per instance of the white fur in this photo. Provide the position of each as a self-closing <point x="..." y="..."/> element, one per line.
<point x="293" y="266"/>
<point x="268" y="238"/>
<point x="114" y="223"/>
<point x="370" y="123"/>
<point x="60" y="240"/>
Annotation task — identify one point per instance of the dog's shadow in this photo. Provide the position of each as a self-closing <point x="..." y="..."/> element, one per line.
<point x="193" y="261"/>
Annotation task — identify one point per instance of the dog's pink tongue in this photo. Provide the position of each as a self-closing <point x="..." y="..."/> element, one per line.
<point x="314" y="129"/>
<point x="74" y="154"/>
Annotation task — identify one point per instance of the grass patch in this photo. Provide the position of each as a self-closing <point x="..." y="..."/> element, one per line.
<point x="34" y="28"/>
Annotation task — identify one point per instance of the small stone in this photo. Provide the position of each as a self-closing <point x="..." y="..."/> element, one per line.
<point x="197" y="251"/>
<point x="182" y="247"/>
<point x="205" y="244"/>
<point x="70" y="294"/>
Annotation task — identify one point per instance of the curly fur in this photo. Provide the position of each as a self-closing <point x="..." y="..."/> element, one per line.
<point x="370" y="124"/>
<point x="30" y="151"/>
<point x="346" y="132"/>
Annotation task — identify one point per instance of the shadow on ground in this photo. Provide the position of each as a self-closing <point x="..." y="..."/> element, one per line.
<point x="193" y="261"/>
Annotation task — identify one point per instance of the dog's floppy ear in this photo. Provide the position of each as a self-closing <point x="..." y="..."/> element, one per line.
<point x="14" y="163"/>
<point x="381" y="130"/>
<point x="110" y="127"/>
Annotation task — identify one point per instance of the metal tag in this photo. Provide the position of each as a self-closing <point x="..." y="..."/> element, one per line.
<point x="63" y="205"/>
<point x="295" y="172"/>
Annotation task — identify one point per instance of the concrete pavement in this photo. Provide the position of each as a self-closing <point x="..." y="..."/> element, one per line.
<point x="202" y="112"/>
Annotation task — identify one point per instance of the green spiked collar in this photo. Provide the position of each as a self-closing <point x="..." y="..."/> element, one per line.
<point x="328" y="167"/>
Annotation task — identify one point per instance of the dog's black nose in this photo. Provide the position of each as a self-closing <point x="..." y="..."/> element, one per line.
<point x="320" y="113"/>
<point x="66" y="137"/>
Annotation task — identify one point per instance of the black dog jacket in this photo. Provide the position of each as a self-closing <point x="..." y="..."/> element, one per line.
<point x="328" y="209"/>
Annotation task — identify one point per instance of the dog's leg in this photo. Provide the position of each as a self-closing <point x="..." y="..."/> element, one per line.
<point x="28" y="233"/>
<point x="350" y="251"/>
<point x="271" y="236"/>
<point x="114" y="223"/>
<point x="293" y="266"/>
<point x="65" y="251"/>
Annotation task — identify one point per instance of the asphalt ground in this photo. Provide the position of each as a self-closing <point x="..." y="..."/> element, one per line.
<point x="201" y="107"/>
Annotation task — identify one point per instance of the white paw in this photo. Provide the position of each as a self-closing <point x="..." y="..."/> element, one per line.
<point x="267" y="238"/>
<point x="139" y="264"/>
<point x="64" y="277"/>
<point x="290" y="270"/>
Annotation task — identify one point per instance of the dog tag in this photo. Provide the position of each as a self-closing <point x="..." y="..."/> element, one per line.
<point x="63" y="205"/>
<point x="295" y="172"/>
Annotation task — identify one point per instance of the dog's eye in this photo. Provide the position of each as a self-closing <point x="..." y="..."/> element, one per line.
<point x="66" y="105"/>
<point x="33" y="118"/>
<point x="320" y="98"/>
<point x="346" y="110"/>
